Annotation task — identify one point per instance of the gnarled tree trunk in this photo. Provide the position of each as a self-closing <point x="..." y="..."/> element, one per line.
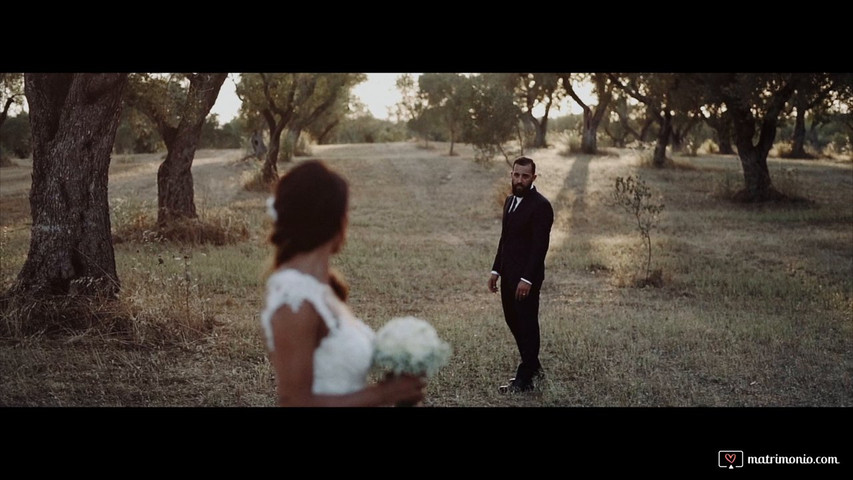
<point x="541" y="125"/>
<point x="321" y="140"/>
<point x="753" y="157"/>
<point x="291" y="142"/>
<point x="757" y="183"/>
<point x="258" y="147"/>
<point x="589" y="134"/>
<point x="175" y="194"/>
<point x="724" y="140"/>
<point x="591" y="121"/>
<point x="269" y="172"/>
<point x="592" y="118"/>
<point x="722" y="126"/>
<point x="4" y="113"/>
<point x="798" y="149"/>
<point x="452" y="139"/>
<point x="665" y="132"/>
<point x="679" y="135"/>
<point x="74" y="117"/>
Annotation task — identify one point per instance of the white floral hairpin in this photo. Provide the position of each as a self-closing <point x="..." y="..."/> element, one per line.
<point x="271" y="209"/>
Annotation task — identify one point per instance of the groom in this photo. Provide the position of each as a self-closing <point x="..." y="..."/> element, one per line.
<point x="520" y="266"/>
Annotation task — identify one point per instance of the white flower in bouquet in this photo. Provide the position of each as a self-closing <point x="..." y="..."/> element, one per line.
<point x="410" y="345"/>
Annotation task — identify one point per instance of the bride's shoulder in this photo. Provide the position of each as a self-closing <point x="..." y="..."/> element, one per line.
<point x="293" y="285"/>
<point x="290" y="286"/>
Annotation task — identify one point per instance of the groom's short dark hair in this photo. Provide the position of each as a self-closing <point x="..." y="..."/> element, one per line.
<point x="524" y="161"/>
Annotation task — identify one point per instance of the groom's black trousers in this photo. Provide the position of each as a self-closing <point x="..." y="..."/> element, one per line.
<point x="522" y="317"/>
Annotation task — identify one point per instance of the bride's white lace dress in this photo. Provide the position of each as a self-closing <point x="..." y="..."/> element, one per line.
<point x="344" y="356"/>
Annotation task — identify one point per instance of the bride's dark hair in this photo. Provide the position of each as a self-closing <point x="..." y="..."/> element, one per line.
<point x="310" y="204"/>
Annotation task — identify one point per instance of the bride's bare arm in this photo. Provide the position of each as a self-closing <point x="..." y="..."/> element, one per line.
<point x="295" y="336"/>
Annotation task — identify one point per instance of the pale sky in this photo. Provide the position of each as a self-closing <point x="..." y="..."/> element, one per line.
<point x="379" y="93"/>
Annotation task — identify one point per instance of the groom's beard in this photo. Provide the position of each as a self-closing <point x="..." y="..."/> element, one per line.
<point x="519" y="190"/>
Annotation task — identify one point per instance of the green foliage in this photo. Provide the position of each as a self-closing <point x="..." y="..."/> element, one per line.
<point x="566" y="123"/>
<point x="429" y="126"/>
<point x="493" y="117"/>
<point x="11" y="84"/>
<point x="11" y="92"/>
<point x="225" y="136"/>
<point x="330" y="120"/>
<point x="534" y="89"/>
<point x="412" y="102"/>
<point x="298" y="99"/>
<point x="413" y="109"/>
<point x="635" y="197"/>
<point x="136" y="133"/>
<point x="824" y="134"/>
<point x="15" y="136"/>
<point x="700" y="136"/>
<point x="448" y="96"/>
<point x="160" y="97"/>
<point x="295" y="102"/>
<point x="367" y="129"/>
<point x="623" y="122"/>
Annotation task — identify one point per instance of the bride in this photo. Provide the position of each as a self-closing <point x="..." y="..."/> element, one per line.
<point x="320" y="352"/>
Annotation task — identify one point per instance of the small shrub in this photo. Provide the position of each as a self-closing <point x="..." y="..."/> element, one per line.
<point x="635" y="197"/>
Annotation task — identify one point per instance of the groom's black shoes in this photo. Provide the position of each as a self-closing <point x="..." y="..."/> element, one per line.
<point x="516" y="386"/>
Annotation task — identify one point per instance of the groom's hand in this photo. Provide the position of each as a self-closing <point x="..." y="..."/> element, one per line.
<point x="493" y="283"/>
<point x="522" y="291"/>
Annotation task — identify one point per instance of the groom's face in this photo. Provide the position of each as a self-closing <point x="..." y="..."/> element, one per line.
<point x="522" y="179"/>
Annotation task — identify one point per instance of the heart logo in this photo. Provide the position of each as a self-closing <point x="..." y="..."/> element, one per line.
<point x="730" y="457"/>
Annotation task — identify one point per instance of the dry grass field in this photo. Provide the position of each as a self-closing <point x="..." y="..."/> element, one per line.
<point x="755" y="310"/>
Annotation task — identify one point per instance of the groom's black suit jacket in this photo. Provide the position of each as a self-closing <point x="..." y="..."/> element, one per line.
<point x="525" y="236"/>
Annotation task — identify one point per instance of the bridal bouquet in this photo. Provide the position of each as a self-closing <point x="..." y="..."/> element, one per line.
<point x="409" y="345"/>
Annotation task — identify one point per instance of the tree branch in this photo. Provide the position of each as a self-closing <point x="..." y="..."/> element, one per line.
<point x="204" y="88"/>
<point x="312" y="117"/>
<point x="145" y="104"/>
<point x="237" y="90"/>
<point x="628" y="127"/>
<point x="771" y="117"/>
<point x="567" y="84"/>
<point x="821" y="95"/>
<point x="268" y="116"/>
<point x="9" y="102"/>
<point x="269" y="98"/>
<point x="653" y="106"/>
<point x="602" y="103"/>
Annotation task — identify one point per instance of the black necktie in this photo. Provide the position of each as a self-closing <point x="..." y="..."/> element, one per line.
<point x="514" y="204"/>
